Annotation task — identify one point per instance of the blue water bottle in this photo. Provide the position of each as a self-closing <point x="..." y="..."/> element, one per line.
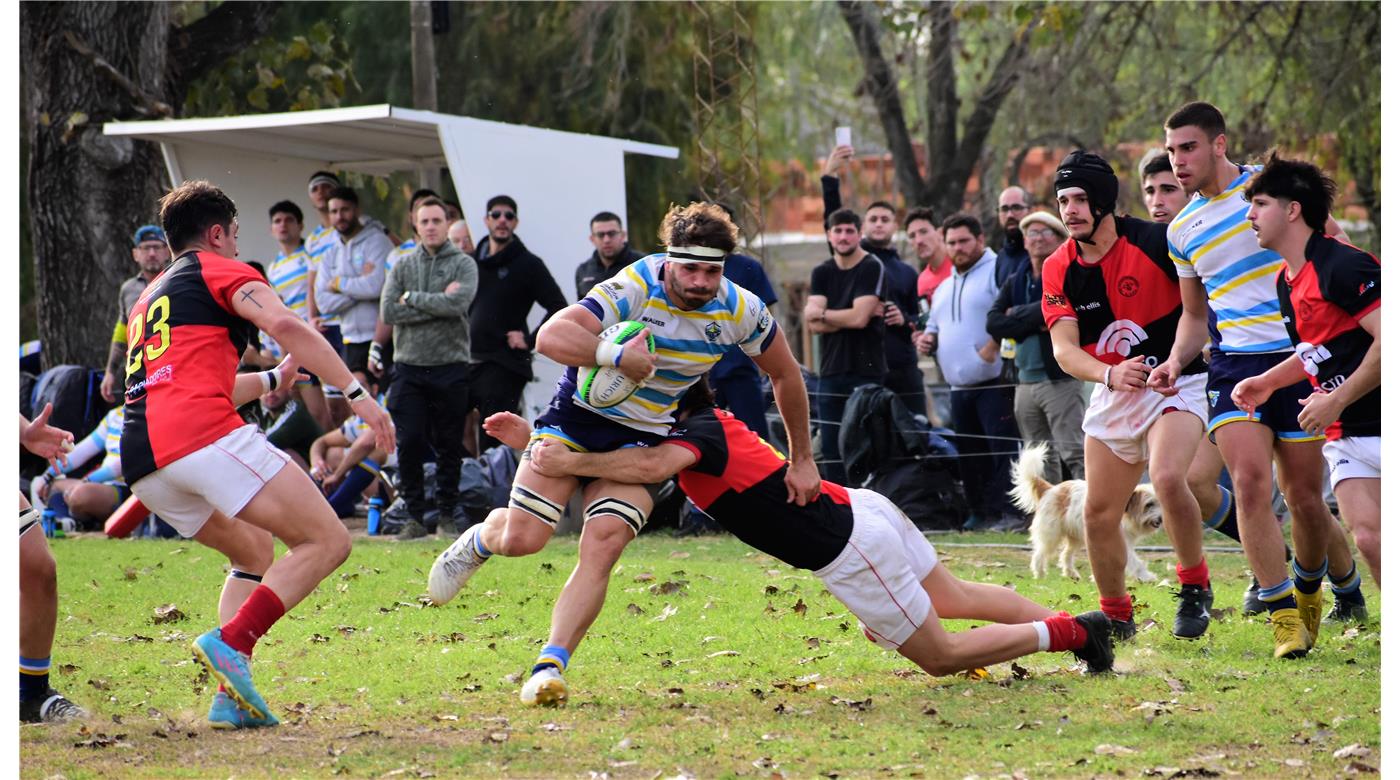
<point x="376" y="508"/>
<point x="47" y="521"/>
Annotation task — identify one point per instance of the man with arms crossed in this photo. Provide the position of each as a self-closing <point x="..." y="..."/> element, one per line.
<point x="859" y="544"/>
<point x="696" y="315"/>
<point x="1223" y="269"/>
<point x="192" y="460"/>
<point x="1330" y="299"/>
<point x="1112" y="304"/>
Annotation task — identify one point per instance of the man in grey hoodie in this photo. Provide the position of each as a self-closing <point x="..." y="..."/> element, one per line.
<point x="426" y="298"/>
<point x="351" y="277"/>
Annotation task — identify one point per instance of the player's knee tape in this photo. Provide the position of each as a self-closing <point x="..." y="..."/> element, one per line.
<point x="616" y="507"/>
<point x="527" y="500"/>
<point x="28" y="518"/>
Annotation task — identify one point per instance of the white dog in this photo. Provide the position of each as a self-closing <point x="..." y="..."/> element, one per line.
<point x="1059" y="516"/>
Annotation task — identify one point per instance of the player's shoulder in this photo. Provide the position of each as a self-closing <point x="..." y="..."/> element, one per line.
<point x="1332" y="258"/>
<point x="1058" y="261"/>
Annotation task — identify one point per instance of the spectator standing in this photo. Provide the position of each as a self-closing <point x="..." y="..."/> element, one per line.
<point x="927" y="239"/>
<point x="351" y="278"/>
<point x="426" y="299"/>
<point x="1049" y="403"/>
<point x="289" y="276"/>
<point x="1012" y="205"/>
<point x="511" y="280"/>
<point x="151" y="254"/>
<point x="982" y="407"/>
<point x="844" y="308"/>
<point x="461" y="235"/>
<point x="611" y="253"/>
<point x="899" y="293"/>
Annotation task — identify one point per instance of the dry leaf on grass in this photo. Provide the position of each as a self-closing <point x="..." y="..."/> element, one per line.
<point x="167" y="613"/>
<point x="1114" y="750"/>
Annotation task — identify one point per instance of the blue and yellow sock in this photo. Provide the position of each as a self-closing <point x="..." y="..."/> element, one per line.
<point x="1224" y="518"/>
<point x="1278" y="597"/>
<point x="1348" y="586"/>
<point x="33" y="678"/>
<point x="479" y="547"/>
<point x="552" y="656"/>
<point x="1308" y="581"/>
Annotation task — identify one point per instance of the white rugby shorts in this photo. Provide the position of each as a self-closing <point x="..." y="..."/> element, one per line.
<point x="1353" y="457"/>
<point x="878" y="575"/>
<point x="224" y="475"/>
<point x="1121" y="419"/>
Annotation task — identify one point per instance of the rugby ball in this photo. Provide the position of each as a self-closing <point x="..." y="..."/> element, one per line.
<point x="603" y="387"/>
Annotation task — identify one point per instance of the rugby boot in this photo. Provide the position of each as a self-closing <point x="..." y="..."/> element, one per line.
<point x="1192" y="611"/>
<point x="454" y="567"/>
<point x="545" y="688"/>
<point x="1291" y="638"/>
<point x="1310" y="611"/>
<point x="52" y="707"/>
<point x="1097" y="652"/>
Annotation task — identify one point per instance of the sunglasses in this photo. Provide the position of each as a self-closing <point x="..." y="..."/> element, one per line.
<point x="498" y="214"/>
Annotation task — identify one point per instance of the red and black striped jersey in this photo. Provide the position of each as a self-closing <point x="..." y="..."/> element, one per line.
<point x="1127" y="304"/>
<point x="1322" y="308"/>
<point x="738" y="480"/>
<point x="183" y="346"/>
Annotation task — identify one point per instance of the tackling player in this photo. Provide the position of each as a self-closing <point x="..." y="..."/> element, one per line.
<point x="1330" y="300"/>
<point x="860" y="545"/>
<point x="696" y="315"/>
<point x="193" y="461"/>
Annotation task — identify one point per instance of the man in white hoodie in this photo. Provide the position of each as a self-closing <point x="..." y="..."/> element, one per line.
<point x="351" y="277"/>
<point x="982" y="405"/>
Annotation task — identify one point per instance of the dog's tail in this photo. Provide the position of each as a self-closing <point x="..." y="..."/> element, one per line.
<point x="1027" y="482"/>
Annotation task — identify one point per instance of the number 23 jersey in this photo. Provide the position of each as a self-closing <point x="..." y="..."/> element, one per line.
<point x="184" y="342"/>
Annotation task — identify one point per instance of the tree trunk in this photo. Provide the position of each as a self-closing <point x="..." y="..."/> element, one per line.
<point x="86" y="64"/>
<point x="87" y="192"/>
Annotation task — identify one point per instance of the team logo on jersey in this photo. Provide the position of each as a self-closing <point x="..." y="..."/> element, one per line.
<point x="611" y="289"/>
<point x="1312" y="356"/>
<point x="1055" y="300"/>
<point x="764" y="320"/>
<point x="1305" y="310"/>
<point x="1365" y="286"/>
<point x="1214" y="396"/>
<point x="712" y="331"/>
<point x="1128" y="286"/>
<point x="1120" y="337"/>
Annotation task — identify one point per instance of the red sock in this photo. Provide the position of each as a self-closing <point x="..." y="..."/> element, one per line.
<point x="254" y="618"/>
<point x="1196" y="575"/>
<point x="1120" y="608"/>
<point x="1065" y="633"/>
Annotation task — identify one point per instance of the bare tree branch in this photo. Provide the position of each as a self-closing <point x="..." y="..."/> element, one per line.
<point x="862" y="19"/>
<point x="145" y="104"/>
<point x="994" y="92"/>
<point x="941" y="83"/>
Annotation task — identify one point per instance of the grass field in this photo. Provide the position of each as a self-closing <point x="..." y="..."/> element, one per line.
<point x="709" y="660"/>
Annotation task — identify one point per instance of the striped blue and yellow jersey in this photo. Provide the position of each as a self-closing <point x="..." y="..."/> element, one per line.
<point x="398" y="253"/>
<point x="688" y="343"/>
<point x="317" y="245"/>
<point x="1211" y="240"/>
<point x="288" y="276"/>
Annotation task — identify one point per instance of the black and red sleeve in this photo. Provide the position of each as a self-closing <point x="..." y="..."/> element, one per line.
<point x="703" y="435"/>
<point x="1351" y="279"/>
<point x="225" y="277"/>
<point x="1054" y="304"/>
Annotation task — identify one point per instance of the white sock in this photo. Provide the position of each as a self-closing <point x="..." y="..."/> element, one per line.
<point x="1042" y="635"/>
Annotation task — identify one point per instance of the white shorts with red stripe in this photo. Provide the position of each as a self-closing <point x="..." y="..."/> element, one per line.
<point x="224" y="475"/>
<point x="1121" y="420"/>
<point x="1353" y="457"/>
<point x="878" y="575"/>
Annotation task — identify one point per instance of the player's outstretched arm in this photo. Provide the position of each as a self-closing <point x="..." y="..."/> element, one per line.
<point x="50" y="443"/>
<point x="257" y="303"/>
<point x="638" y="465"/>
<point x="790" y="394"/>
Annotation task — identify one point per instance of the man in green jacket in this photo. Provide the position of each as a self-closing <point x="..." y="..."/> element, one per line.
<point x="426" y="297"/>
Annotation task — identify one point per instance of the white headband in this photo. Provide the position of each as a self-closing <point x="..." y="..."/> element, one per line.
<point x="696" y="254"/>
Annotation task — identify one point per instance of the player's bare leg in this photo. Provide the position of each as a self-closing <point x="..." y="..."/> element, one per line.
<point x="1110" y="484"/>
<point x="38" y="618"/>
<point x="607" y="531"/>
<point x="1359" y="501"/>
<point x="523" y="528"/>
<point x="957" y="599"/>
<point x="941" y="652"/>
<point x="1171" y="444"/>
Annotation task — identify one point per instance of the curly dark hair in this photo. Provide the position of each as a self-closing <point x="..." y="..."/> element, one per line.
<point x="699" y="224"/>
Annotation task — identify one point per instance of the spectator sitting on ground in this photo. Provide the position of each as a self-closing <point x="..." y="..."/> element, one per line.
<point x="347" y="464"/>
<point x="93" y="497"/>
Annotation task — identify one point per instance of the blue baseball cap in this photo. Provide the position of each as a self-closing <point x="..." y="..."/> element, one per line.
<point x="147" y="233"/>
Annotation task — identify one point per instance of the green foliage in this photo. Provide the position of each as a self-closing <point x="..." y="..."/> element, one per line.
<point x="311" y="69"/>
<point x="702" y="663"/>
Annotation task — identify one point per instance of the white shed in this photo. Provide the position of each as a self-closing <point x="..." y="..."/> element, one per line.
<point x="559" y="179"/>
